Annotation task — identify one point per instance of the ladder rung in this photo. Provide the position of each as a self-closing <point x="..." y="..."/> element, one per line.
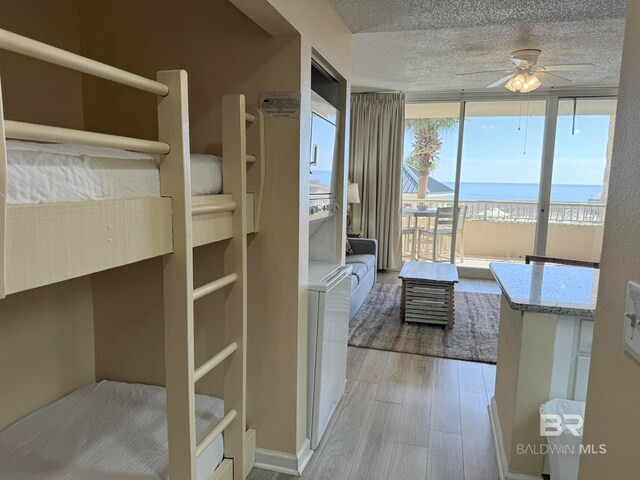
<point x="249" y="118"/>
<point x="214" y="286"/>
<point x="219" y="208"/>
<point x="214" y="361"/>
<point x="251" y="159"/>
<point x="215" y="431"/>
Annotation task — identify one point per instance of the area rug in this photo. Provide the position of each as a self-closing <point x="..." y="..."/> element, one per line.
<point x="473" y="337"/>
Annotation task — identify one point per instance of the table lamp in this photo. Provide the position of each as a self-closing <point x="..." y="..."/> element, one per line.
<point x="353" y="196"/>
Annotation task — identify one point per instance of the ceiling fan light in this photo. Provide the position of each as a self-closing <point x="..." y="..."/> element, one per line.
<point x="516" y="83"/>
<point x="531" y="83"/>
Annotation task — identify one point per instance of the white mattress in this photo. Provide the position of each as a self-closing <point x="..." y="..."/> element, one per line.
<point x="51" y="173"/>
<point x="107" y="430"/>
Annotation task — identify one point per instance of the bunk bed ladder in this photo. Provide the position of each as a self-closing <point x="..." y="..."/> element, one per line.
<point x="234" y="143"/>
<point x="175" y="182"/>
<point x="257" y="173"/>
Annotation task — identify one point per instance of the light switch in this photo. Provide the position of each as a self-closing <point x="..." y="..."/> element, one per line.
<point x="632" y="321"/>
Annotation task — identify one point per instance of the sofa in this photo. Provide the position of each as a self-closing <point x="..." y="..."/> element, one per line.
<point x="364" y="259"/>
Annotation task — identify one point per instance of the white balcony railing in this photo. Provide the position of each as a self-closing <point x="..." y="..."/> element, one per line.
<point x="521" y="212"/>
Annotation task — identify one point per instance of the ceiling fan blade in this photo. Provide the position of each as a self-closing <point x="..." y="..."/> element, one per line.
<point x="519" y="63"/>
<point x="500" y="82"/>
<point x="552" y="80"/>
<point x="484" y="71"/>
<point x="575" y="67"/>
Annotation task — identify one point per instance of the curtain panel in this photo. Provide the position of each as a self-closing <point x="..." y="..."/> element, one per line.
<point x="377" y="140"/>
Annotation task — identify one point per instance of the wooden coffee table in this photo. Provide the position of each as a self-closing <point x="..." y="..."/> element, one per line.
<point x="427" y="292"/>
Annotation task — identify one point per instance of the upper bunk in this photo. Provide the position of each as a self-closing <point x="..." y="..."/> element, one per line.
<point x="84" y="223"/>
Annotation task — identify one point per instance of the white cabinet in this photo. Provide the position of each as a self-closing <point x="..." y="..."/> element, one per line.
<point x="329" y="302"/>
<point x="572" y="356"/>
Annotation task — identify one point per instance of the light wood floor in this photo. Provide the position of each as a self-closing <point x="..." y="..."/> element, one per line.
<point x="408" y="417"/>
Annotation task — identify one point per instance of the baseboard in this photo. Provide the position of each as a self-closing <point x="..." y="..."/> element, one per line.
<point x="498" y="445"/>
<point x="304" y="455"/>
<point x="284" y="462"/>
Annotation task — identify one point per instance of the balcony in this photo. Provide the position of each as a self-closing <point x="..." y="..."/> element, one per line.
<point x="505" y="231"/>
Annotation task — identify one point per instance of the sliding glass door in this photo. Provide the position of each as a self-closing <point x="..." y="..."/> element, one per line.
<point x="428" y="174"/>
<point x="500" y="179"/>
<point x="526" y="176"/>
<point x="580" y="178"/>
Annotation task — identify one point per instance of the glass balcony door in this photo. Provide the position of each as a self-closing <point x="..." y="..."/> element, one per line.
<point x="580" y="177"/>
<point x="528" y="176"/>
<point x="500" y="180"/>
<point x="429" y="179"/>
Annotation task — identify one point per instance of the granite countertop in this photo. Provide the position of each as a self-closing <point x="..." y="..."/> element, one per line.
<point x="560" y="290"/>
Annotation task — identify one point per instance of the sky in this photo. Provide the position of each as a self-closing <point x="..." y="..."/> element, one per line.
<point x="494" y="150"/>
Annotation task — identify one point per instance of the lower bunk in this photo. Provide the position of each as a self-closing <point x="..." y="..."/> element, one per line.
<point x="107" y="430"/>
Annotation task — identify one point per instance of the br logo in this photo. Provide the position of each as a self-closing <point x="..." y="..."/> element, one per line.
<point x="554" y="425"/>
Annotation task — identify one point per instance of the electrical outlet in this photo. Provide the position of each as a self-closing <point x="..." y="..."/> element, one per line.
<point x="632" y="321"/>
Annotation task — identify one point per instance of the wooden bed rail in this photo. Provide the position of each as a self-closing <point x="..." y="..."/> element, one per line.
<point x="44" y="133"/>
<point x="25" y="131"/>
<point x="41" y="51"/>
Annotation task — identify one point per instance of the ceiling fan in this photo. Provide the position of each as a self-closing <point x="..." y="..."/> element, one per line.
<point x="527" y="76"/>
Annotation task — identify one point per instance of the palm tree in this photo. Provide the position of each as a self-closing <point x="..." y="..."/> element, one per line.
<point x="426" y="145"/>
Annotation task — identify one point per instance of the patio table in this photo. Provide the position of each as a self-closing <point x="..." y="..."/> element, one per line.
<point x="418" y="213"/>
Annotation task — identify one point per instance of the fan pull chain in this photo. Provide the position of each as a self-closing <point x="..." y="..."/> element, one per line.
<point x="526" y="125"/>
<point x="520" y="114"/>
<point x="575" y="107"/>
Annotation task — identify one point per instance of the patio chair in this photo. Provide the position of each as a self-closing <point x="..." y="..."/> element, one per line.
<point x="443" y="228"/>
<point x="408" y="236"/>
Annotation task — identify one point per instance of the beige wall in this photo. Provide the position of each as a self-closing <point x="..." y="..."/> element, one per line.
<point x="223" y="52"/>
<point x="129" y="321"/>
<point x="514" y="240"/>
<point x="612" y="415"/>
<point x="46" y="346"/>
<point x="323" y="29"/>
<point x="46" y="334"/>
<point x="34" y="91"/>
<point x="325" y="37"/>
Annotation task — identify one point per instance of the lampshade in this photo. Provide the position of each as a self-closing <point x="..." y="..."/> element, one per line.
<point x="353" y="194"/>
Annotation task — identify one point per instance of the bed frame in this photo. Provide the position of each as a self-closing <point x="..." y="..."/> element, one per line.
<point x="36" y="247"/>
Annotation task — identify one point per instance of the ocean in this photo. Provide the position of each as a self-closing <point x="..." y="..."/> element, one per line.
<point x="527" y="192"/>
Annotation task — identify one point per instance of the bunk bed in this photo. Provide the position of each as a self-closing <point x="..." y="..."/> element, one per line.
<point x="43" y="243"/>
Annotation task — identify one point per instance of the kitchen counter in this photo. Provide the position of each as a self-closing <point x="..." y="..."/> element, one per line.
<point x="544" y="352"/>
<point x="554" y="289"/>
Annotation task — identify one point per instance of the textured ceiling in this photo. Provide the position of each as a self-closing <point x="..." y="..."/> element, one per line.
<point x="420" y="45"/>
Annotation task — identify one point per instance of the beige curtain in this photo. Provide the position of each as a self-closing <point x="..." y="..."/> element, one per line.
<point x="377" y="138"/>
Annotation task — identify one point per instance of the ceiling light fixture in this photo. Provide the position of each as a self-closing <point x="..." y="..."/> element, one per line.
<point x="523" y="82"/>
